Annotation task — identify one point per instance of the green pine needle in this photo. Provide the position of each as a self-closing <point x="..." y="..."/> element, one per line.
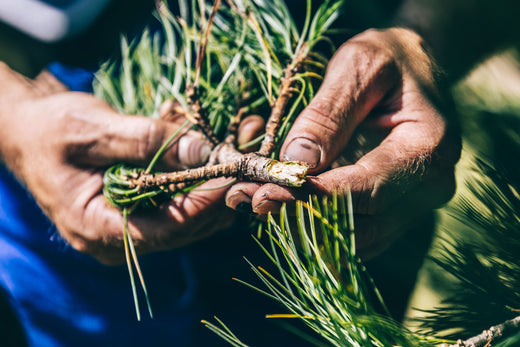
<point x="321" y="283"/>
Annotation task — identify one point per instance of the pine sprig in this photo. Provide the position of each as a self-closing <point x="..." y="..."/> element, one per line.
<point x="321" y="281"/>
<point x="233" y="72"/>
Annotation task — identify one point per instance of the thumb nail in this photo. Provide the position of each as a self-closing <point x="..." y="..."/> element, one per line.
<point x="193" y="150"/>
<point x="303" y="150"/>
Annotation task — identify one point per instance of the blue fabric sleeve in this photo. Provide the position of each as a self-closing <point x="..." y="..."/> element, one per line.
<point x="76" y="79"/>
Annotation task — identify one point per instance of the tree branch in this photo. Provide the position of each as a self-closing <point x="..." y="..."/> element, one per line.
<point x="497" y="331"/>
<point x="280" y="104"/>
<point x="231" y="163"/>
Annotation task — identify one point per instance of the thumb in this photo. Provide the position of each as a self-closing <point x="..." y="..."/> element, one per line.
<point x="357" y="78"/>
<point x="138" y="140"/>
<point x="100" y="136"/>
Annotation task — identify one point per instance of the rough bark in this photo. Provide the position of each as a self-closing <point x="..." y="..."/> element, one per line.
<point x="230" y="163"/>
<point x="487" y="336"/>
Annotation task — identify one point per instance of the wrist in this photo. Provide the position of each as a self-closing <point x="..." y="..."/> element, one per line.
<point x="14" y="90"/>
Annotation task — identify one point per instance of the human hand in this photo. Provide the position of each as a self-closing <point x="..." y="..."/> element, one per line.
<point x="59" y="144"/>
<point x="381" y="85"/>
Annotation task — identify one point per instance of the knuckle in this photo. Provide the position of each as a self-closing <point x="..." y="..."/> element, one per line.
<point x="369" y="44"/>
<point x="367" y="192"/>
<point x="319" y="118"/>
<point x="150" y="140"/>
<point x="79" y="245"/>
<point x="79" y="240"/>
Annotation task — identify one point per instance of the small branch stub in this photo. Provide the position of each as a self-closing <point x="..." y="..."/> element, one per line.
<point x="292" y="173"/>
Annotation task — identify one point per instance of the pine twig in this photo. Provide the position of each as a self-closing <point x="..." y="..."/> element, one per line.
<point x="199" y="116"/>
<point x="487" y="336"/>
<point x="280" y="104"/>
<point x="249" y="166"/>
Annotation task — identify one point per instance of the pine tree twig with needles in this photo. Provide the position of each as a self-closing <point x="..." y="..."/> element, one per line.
<point x="249" y="58"/>
<point x="482" y="257"/>
<point x="272" y="78"/>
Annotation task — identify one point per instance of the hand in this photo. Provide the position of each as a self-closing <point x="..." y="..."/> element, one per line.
<point x="380" y="85"/>
<point x="59" y="143"/>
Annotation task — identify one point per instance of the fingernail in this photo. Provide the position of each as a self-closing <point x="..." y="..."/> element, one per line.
<point x="166" y="108"/>
<point x="193" y="151"/>
<point x="303" y="150"/>
<point x="240" y="202"/>
<point x="267" y="206"/>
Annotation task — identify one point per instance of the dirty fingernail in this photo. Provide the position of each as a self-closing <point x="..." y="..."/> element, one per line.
<point x="304" y="150"/>
<point x="239" y="201"/>
<point x="267" y="206"/>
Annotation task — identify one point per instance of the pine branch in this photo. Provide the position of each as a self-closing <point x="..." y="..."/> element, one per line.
<point x="249" y="166"/>
<point x="193" y="98"/>
<point x="198" y="115"/>
<point x="481" y="254"/>
<point x="216" y="88"/>
<point x="237" y="70"/>
<point x="321" y="281"/>
<point x="488" y="336"/>
<point x="278" y="110"/>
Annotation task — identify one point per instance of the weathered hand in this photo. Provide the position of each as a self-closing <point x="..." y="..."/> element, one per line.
<point x="380" y="88"/>
<point x="59" y="143"/>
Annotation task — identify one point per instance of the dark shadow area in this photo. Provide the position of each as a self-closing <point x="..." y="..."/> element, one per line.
<point x="11" y="331"/>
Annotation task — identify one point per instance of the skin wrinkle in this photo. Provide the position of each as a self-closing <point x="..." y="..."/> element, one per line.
<point x="323" y="120"/>
<point x="76" y="144"/>
<point x="152" y="137"/>
<point x="366" y="73"/>
<point x="368" y="194"/>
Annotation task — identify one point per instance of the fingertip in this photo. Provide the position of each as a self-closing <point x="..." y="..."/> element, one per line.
<point x="303" y="149"/>
<point x="267" y="206"/>
<point x="193" y="150"/>
<point x="270" y="198"/>
<point x="239" y="196"/>
<point x="250" y="128"/>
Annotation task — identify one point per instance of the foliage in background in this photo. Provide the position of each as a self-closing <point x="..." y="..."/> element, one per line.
<point x="484" y="258"/>
<point x="480" y="241"/>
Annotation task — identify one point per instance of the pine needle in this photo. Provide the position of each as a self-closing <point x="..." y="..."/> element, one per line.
<point x="126" y="238"/>
<point x="139" y="272"/>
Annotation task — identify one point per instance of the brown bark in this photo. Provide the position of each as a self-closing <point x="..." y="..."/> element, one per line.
<point x="487" y="336"/>
<point x="198" y="115"/>
<point x="230" y="163"/>
<point x="280" y="104"/>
